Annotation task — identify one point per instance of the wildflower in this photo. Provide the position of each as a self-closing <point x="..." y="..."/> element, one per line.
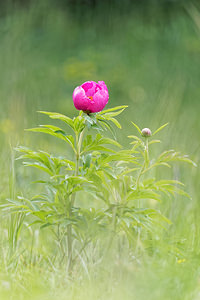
<point x="180" y="261"/>
<point x="91" y="97"/>
<point x="146" y="132"/>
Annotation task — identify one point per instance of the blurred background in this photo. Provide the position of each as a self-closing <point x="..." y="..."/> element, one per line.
<point x="148" y="54"/>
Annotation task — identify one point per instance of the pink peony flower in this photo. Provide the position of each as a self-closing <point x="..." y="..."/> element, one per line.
<point x="91" y="97"/>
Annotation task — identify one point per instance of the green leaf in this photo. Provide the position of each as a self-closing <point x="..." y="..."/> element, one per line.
<point x="143" y="194"/>
<point x="91" y="122"/>
<point x="154" y="142"/>
<point x="79" y="124"/>
<point x="171" y="155"/>
<point x="98" y="143"/>
<point x="160" y="128"/>
<point x="87" y="141"/>
<point x="58" y="116"/>
<point x="38" y="166"/>
<point x="114" y="121"/>
<point x="121" y="108"/>
<point x="138" y="129"/>
<point x="64" y="161"/>
<point x="109" y="114"/>
<point x="55" y="131"/>
<point x="165" y="154"/>
<point x="76" y="179"/>
<point x="46" y="225"/>
<point x="108" y="118"/>
<point x="122" y="155"/>
<point x="87" y="160"/>
<point x="43" y="158"/>
<point x="168" y="182"/>
<point x="99" y="148"/>
<point x="106" y="125"/>
<point x="128" y="171"/>
<point x="29" y="203"/>
<point x="109" y="142"/>
<point x="134" y="137"/>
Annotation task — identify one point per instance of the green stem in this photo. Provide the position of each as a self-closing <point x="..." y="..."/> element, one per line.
<point x="113" y="229"/>
<point x="79" y="139"/>
<point x="144" y="166"/>
<point x="113" y="222"/>
<point x="139" y="176"/>
<point x="146" y="153"/>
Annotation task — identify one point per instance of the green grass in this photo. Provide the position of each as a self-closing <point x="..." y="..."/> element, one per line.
<point x="153" y="66"/>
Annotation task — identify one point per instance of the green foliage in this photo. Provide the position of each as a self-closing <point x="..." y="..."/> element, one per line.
<point x="120" y="179"/>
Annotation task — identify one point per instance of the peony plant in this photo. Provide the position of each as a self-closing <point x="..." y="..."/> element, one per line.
<point x="120" y="179"/>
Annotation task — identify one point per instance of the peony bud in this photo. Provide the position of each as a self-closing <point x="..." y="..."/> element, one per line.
<point x="146" y="132"/>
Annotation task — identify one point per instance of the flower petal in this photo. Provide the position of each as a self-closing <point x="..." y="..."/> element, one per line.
<point x="80" y="99"/>
<point x="89" y="88"/>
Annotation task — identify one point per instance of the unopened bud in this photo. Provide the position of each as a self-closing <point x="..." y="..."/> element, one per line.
<point x="146" y="132"/>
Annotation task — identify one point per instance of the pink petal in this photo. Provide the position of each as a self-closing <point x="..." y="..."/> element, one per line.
<point x="80" y="99"/>
<point x="89" y="87"/>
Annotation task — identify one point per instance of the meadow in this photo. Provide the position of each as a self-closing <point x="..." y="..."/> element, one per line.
<point x="150" y="62"/>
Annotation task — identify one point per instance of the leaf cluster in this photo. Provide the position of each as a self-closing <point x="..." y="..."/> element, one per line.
<point x="120" y="179"/>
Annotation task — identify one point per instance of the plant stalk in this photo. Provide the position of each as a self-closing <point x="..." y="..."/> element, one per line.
<point x="71" y="205"/>
<point x="144" y="166"/>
